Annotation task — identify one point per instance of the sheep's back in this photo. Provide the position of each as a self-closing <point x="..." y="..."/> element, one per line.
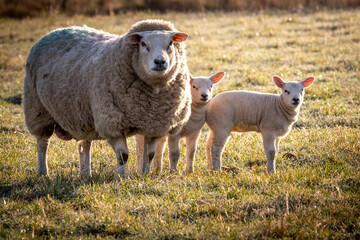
<point x="61" y="67"/>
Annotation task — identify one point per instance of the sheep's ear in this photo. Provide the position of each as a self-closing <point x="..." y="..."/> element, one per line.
<point x="191" y="78"/>
<point x="179" y="37"/>
<point x="278" y="81"/>
<point x="134" y="38"/>
<point x="307" y="82"/>
<point x="217" y="77"/>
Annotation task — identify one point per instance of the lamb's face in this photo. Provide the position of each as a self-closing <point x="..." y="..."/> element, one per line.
<point x="156" y="51"/>
<point x="292" y="93"/>
<point x="202" y="88"/>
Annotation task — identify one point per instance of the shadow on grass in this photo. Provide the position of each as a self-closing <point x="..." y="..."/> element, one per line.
<point x="16" y="99"/>
<point x="60" y="187"/>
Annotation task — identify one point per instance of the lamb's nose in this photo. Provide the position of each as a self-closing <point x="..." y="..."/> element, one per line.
<point x="159" y="61"/>
<point x="296" y="100"/>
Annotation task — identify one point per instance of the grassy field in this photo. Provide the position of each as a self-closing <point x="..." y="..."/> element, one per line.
<point x="316" y="195"/>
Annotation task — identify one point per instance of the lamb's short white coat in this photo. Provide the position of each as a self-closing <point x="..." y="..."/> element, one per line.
<point x="241" y="111"/>
<point x="201" y="94"/>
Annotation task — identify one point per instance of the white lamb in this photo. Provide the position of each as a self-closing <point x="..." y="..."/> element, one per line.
<point x="241" y="111"/>
<point x="201" y="93"/>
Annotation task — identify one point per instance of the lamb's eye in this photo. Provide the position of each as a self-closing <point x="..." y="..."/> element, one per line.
<point x="287" y="91"/>
<point x="194" y="87"/>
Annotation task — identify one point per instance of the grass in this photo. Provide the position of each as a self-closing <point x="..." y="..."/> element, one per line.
<point x="316" y="195"/>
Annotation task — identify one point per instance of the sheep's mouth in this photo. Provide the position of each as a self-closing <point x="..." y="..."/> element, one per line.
<point x="204" y="99"/>
<point x="159" y="68"/>
<point x="296" y="104"/>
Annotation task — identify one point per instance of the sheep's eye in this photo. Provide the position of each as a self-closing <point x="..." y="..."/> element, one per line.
<point x="194" y="87"/>
<point x="169" y="47"/>
<point x="144" y="45"/>
<point x="287" y="91"/>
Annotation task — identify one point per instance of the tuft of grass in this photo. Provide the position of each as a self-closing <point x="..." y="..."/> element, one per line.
<point x="315" y="194"/>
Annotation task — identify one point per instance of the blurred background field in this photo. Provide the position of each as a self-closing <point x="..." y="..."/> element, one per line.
<point x="316" y="195"/>
<point x="32" y="8"/>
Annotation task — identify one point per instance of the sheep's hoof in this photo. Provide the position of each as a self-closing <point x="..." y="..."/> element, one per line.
<point x="289" y="156"/>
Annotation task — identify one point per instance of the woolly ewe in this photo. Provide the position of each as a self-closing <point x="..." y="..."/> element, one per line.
<point x="88" y="84"/>
<point x="241" y="111"/>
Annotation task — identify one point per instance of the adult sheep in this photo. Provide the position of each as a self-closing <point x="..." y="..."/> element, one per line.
<point x="88" y="85"/>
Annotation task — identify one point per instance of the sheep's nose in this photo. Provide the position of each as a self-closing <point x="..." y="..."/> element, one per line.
<point x="204" y="96"/>
<point x="159" y="61"/>
<point x="296" y="100"/>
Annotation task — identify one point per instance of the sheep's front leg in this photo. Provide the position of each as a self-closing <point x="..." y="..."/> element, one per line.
<point x="159" y="151"/>
<point x="85" y="159"/>
<point x="122" y="154"/>
<point x="190" y="151"/>
<point x="149" y="152"/>
<point x="269" y="141"/>
<point x="42" y="144"/>
<point x="174" y="151"/>
<point x="218" y="141"/>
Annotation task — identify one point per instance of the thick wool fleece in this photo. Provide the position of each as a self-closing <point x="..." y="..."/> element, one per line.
<point x="87" y="82"/>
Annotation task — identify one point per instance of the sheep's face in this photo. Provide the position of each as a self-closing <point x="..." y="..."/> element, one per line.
<point x="202" y="88"/>
<point x="157" y="52"/>
<point x="292" y="92"/>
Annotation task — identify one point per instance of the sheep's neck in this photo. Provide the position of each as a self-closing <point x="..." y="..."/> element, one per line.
<point x="291" y="114"/>
<point x="197" y="110"/>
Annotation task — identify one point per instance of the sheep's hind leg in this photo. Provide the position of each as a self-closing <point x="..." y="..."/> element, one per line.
<point x="122" y="154"/>
<point x="85" y="158"/>
<point x="42" y="144"/>
<point x="174" y="151"/>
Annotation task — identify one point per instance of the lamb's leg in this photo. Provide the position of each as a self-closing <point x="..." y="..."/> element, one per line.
<point x="269" y="141"/>
<point x="85" y="159"/>
<point x="149" y="152"/>
<point x="277" y="142"/>
<point x="122" y="154"/>
<point x="42" y="144"/>
<point x="174" y="151"/>
<point x="139" y="152"/>
<point x="191" y="141"/>
<point x="159" y="151"/>
<point x="217" y="147"/>
<point x="208" y="150"/>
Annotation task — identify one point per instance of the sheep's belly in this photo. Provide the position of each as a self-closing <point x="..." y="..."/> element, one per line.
<point x="245" y="128"/>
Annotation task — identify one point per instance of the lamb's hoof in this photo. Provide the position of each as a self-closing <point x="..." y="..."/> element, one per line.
<point x="289" y="156"/>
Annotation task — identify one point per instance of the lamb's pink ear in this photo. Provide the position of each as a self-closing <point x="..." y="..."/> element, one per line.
<point x="179" y="37"/>
<point x="217" y="77"/>
<point x="278" y="81"/>
<point x="191" y="78"/>
<point x="134" y="38"/>
<point x="307" y="82"/>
